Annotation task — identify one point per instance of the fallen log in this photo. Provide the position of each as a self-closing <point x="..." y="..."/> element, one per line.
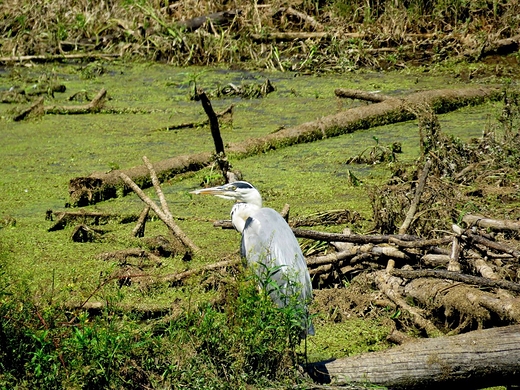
<point x="476" y="359"/>
<point x="488" y="223"/>
<point x="450" y="299"/>
<point x="84" y="233"/>
<point x="58" y="57"/>
<point x="458" y="277"/>
<point x="38" y="108"/>
<point x="373" y="97"/>
<point x="95" y="105"/>
<point x="101" y="186"/>
<point x="35" y="109"/>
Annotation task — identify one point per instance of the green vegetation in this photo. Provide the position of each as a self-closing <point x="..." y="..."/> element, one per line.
<point x="360" y="34"/>
<point x="247" y="341"/>
<point x="214" y="330"/>
<point x="210" y="330"/>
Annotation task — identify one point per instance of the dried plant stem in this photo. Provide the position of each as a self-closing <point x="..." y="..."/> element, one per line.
<point x="164" y="215"/>
<point x="415" y="203"/>
<point x="138" y="230"/>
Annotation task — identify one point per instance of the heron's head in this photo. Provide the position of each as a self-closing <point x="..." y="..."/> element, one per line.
<point x="240" y="191"/>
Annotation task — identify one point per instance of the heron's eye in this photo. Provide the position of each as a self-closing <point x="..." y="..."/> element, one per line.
<point x="232" y="188"/>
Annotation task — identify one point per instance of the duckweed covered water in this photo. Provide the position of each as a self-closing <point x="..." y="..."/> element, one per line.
<point x="40" y="156"/>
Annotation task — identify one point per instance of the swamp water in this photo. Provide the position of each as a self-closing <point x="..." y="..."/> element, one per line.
<point x="39" y="156"/>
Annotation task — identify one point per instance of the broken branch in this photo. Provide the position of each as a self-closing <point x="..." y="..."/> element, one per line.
<point x="418" y="192"/>
<point x="167" y="219"/>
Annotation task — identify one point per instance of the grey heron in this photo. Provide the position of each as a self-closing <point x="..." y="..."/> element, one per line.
<point x="270" y="248"/>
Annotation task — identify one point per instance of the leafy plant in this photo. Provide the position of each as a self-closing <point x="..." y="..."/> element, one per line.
<point x="377" y="154"/>
<point x="247" y="340"/>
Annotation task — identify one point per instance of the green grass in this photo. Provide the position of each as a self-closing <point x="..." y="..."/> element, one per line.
<point x="245" y="341"/>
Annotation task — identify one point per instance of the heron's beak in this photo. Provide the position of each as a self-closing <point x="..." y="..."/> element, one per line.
<point x="220" y="191"/>
<point x="209" y="191"/>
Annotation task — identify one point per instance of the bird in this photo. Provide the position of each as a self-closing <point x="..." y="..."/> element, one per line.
<point x="270" y="249"/>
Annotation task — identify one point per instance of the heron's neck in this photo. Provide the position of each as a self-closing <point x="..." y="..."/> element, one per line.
<point x="240" y="213"/>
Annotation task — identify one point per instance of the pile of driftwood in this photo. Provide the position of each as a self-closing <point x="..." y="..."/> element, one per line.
<point x="467" y="278"/>
<point x="463" y="285"/>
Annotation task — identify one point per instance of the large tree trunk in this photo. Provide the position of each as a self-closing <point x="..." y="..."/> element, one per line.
<point x="101" y="186"/>
<point x="473" y="360"/>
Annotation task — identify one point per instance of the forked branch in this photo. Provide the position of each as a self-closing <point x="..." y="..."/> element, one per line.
<point x="163" y="212"/>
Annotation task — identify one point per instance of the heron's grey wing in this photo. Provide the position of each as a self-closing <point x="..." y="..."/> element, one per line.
<point x="268" y="240"/>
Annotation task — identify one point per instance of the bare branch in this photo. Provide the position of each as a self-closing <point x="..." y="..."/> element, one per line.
<point x="443" y="274"/>
<point x="415" y="203"/>
<point x="160" y="213"/>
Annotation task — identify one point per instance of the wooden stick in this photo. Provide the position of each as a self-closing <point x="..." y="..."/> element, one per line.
<point x="435" y="260"/>
<point x="157" y="187"/>
<point x="483" y="268"/>
<point x="138" y="230"/>
<point x="415" y="203"/>
<point x="454" y="265"/>
<point x="390" y="251"/>
<point x="389" y="285"/>
<point x="361" y="95"/>
<point x="443" y="274"/>
<point x="306" y="18"/>
<point x="285" y="212"/>
<point x="354" y="238"/>
<point x="213" y="121"/>
<point x="488" y="223"/>
<point x="49" y="57"/>
<point x="474" y="238"/>
<point x="333" y="257"/>
<point x="420" y="243"/>
<point x="290" y="36"/>
<point x="505" y="307"/>
<point x="168" y="221"/>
